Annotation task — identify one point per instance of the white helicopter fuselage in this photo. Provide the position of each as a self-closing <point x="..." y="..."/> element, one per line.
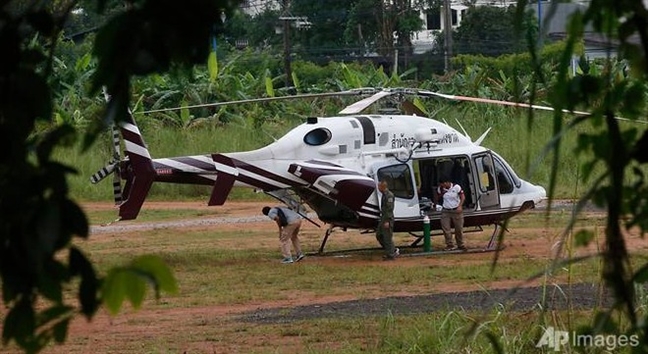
<point x="332" y="164"/>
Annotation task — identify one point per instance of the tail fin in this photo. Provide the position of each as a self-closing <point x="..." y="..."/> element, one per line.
<point x="137" y="170"/>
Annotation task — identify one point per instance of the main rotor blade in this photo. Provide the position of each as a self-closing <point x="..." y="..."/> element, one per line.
<point x="506" y="103"/>
<point x="364" y="91"/>
<point x="364" y="103"/>
<point x="516" y="104"/>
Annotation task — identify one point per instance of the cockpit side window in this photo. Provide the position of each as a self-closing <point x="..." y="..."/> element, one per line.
<point x="318" y="136"/>
<point x="399" y="180"/>
<point x="505" y="169"/>
<point x="503" y="178"/>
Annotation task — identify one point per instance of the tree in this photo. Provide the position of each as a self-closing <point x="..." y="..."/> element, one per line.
<point x="39" y="220"/>
<point x="260" y="30"/>
<point x="324" y="36"/>
<point x="390" y="26"/>
<point x="493" y="31"/>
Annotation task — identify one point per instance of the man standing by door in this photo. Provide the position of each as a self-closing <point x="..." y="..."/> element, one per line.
<point x="452" y="199"/>
<point x="385" y="228"/>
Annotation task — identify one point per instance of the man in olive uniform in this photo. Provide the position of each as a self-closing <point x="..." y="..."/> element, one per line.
<point x="384" y="231"/>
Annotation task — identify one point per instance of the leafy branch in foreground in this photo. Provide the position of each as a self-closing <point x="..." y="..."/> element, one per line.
<point x="39" y="220"/>
<point x="617" y="91"/>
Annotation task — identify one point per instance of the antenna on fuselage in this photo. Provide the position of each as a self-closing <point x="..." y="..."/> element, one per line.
<point x="268" y="134"/>
<point x="464" y="130"/>
<point x="482" y="137"/>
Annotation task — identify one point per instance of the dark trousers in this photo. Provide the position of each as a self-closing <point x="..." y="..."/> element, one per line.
<point x="385" y="237"/>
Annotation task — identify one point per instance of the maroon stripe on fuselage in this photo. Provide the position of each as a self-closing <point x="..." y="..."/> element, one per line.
<point x="187" y="160"/>
<point x="168" y="174"/>
<point x="265" y="173"/>
<point x="323" y="163"/>
<point x="242" y="165"/>
<point x="311" y="174"/>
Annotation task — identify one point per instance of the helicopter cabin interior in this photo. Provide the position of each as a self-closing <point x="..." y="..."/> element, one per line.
<point x="484" y="178"/>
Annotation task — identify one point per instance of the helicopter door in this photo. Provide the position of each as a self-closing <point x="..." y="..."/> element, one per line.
<point x="487" y="191"/>
<point x="400" y="180"/>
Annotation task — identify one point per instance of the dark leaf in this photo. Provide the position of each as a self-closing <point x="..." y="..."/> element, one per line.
<point x="20" y="323"/>
<point x="48" y="227"/>
<point x="640" y="150"/>
<point x="54" y="313"/>
<point x="60" y="330"/>
<point x="74" y="220"/>
<point x="89" y="286"/>
<point x="50" y="282"/>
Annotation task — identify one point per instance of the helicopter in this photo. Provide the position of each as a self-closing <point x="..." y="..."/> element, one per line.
<point x="331" y="165"/>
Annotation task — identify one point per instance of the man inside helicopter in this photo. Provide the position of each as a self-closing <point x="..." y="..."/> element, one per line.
<point x="455" y="168"/>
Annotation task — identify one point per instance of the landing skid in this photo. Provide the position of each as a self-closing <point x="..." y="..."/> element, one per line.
<point x="491" y="246"/>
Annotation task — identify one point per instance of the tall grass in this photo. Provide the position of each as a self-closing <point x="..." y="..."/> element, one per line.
<point x="510" y="137"/>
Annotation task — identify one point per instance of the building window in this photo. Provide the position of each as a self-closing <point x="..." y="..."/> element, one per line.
<point x="454" y="17"/>
<point x="433" y="18"/>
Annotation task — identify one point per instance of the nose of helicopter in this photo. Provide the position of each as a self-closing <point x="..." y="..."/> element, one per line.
<point x="541" y="194"/>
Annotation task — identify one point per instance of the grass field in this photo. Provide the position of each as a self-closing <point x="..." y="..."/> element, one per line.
<point x="225" y="271"/>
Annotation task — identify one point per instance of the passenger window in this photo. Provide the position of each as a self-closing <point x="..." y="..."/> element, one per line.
<point x="317" y="137"/>
<point x="399" y="180"/>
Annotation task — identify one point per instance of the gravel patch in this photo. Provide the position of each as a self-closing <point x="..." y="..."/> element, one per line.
<point x="558" y="297"/>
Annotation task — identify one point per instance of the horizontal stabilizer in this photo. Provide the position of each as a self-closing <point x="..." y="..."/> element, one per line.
<point x="222" y="189"/>
<point x="227" y="173"/>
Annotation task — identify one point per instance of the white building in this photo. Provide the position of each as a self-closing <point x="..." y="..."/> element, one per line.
<point x="255" y="7"/>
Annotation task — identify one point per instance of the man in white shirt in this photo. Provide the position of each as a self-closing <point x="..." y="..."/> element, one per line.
<point x="452" y="199"/>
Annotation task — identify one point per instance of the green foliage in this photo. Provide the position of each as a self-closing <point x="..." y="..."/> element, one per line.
<point x="618" y="89"/>
<point x="39" y="219"/>
<point x="325" y="35"/>
<point x="130" y="282"/>
<point x="493" y="31"/>
<point x="520" y="64"/>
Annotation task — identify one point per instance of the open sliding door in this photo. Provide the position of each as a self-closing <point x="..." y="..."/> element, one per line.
<point x="487" y="191"/>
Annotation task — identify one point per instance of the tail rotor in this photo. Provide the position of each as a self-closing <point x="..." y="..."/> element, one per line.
<point x="112" y="167"/>
<point x="135" y="168"/>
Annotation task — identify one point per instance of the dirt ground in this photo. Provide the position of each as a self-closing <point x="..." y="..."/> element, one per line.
<point x="133" y="324"/>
